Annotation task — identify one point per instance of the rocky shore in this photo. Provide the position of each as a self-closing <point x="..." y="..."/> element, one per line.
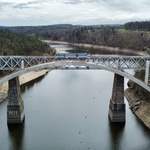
<point x="138" y="106"/>
<point x="25" y="78"/>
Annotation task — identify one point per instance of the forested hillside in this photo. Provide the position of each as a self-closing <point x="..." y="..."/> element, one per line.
<point x="143" y="25"/>
<point x="114" y="36"/>
<point x="19" y="44"/>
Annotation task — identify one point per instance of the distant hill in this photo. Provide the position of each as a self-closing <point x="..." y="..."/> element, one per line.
<point x="19" y="44"/>
<point x="113" y="35"/>
<point x="138" y="25"/>
<point x="33" y="30"/>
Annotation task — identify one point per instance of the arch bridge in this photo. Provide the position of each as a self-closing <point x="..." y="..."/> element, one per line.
<point x="112" y="63"/>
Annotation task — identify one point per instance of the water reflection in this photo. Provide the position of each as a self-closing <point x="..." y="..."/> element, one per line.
<point x="32" y="83"/>
<point x="116" y="132"/>
<point x="144" y="130"/>
<point x="16" y="133"/>
<point x="62" y="47"/>
<point x="75" y="49"/>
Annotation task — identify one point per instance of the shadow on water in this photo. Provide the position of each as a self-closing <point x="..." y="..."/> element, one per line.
<point x="30" y="84"/>
<point x="116" y="131"/>
<point x="144" y="128"/>
<point x="16" y="133"/>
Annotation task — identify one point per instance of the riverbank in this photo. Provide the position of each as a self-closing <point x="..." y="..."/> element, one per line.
<point x="99" y="47"/>
<point x="25" y="78"/>
<point x="138" y="106"/>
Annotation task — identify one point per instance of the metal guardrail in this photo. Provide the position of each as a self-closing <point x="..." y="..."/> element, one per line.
<point x="120" y="62"/>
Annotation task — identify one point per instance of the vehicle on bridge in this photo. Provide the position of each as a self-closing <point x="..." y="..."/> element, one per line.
<point x="72" y="55"/>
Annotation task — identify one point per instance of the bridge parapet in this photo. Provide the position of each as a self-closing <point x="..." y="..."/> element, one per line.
<point x="120" y="62"/>
<point x="123" y="62"/>
<point x="21" y="62"/>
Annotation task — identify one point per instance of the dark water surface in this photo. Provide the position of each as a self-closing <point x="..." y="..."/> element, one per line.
<point x="68" y="110"/>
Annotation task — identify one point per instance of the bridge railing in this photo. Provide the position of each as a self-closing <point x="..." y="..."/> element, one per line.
<point x="21" y="62"/>
<point x="122" y="62"/>
<point x="119" y="62"/>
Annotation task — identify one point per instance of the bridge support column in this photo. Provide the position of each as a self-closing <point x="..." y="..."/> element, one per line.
<point x="15" y="107"/>
<point x="117" y="105"/>
<point x="147" y="70"/>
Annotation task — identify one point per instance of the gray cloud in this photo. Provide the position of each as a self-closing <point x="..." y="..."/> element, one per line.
<point x="5" y="4"/>
<point x="35" y="12"/>
<point x="77" y="1"/>
<point x="27" y="5"/>
<point x="122" y="5"/>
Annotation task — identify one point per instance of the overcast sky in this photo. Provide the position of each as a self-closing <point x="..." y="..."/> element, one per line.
<point x="81" y="12"/>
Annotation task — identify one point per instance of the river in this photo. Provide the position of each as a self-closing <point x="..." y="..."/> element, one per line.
<point x="68" y="110"/>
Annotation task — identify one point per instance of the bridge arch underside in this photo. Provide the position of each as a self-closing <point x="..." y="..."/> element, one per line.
<point x="89" y="65"/>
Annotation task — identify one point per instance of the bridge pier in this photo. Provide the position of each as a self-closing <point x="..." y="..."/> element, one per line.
<point x="147" y="73"/>
<point x="15" y="107"/>
<point x="117" y="105"/>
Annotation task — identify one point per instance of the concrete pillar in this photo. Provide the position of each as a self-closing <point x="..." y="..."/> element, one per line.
<point x="22" y="64"/>
<point x="15" y="107"/>
<point x="117" y="105"/>
<point x="147" y="70"/>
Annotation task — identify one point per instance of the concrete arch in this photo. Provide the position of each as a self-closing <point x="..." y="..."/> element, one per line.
<point x="58" y="64"/>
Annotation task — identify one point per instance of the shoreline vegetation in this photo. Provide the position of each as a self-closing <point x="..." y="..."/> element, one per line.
<point x="98" y="47"/>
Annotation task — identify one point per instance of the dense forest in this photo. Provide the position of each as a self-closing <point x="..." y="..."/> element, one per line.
<point x="19" y="44"/>
<point x="132" y="35"/>
<point x="143" y="25"/>
<point x="106" y="35"/>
